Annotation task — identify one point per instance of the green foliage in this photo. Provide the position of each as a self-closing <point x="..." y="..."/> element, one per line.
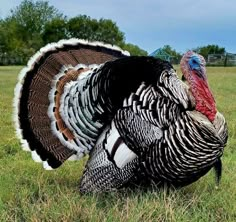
<point x="33" y="24"/>
<point x="3" y="37"/>
<point x="175" y="56"/>
<point x="32" y="16"/>
<point x="21" y="31"/>
<point x="14" y="48"/>
<point x="55" y="30"/>
<point x="134" y="49"/>
<point x="209" y="49"/>
<point x="29" y="193"/>
<point x="104" y="30"/>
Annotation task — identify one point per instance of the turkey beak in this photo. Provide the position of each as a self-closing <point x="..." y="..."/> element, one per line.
<point x="183" y="78"/>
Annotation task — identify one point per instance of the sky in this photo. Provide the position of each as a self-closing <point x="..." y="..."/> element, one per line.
<point x="151" y="24"/>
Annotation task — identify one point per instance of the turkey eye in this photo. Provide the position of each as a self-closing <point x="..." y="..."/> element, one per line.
<point x="194" y="61"/>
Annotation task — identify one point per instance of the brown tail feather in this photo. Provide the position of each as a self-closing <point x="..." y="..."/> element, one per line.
<point x="32" y="95"/>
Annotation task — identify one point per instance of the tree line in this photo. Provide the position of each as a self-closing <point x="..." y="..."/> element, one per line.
<point x="33" y="24"/>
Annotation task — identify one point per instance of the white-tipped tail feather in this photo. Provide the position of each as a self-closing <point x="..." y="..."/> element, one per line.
<point x="45" y="68"/>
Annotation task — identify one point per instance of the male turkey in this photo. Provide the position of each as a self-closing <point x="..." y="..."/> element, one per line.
<point x="135" y="118"/>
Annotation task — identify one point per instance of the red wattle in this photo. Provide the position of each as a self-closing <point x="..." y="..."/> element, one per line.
<point x="205" y="102"/>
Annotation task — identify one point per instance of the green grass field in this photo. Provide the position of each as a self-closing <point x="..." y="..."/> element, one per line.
<point x="29" y="193"/>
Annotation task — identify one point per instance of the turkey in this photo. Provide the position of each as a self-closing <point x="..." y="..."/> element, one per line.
<point x="138" y="122"/>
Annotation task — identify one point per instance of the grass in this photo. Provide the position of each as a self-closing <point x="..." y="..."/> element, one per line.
<point x="29" y="193"/>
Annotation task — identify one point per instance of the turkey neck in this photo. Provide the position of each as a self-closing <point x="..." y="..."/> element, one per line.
<point x="205" y="102"/>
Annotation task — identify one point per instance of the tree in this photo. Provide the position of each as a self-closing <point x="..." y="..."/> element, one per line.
<point x="175" y="56"/>
<point x="33" y="24"/>
<point x="30" y="18"/>
<point x="134" y="49"/>
<point x="109" y="32"/>
<point x="104" y="30"/>
<point x="55" y="30"/>
<point x="34" y="15"/>
<point x="21" y="32"/>
<point x="3" y="38"/>
<point x="210" y="49"/>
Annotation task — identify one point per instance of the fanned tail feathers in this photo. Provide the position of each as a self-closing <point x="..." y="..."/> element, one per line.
<point x="37" y="116"/>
